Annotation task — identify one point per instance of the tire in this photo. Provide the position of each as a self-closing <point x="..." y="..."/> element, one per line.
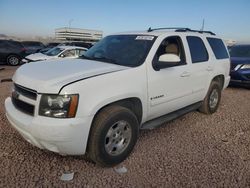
<point x="13" y="60"/>
<point x="113" y="135"/>
<point x="212" y="100"/>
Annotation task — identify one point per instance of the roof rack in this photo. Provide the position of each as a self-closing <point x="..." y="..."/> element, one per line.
<point x="180" y="29"/>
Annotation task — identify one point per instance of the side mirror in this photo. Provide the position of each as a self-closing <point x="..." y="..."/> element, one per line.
<point x="167" y="60"/>
<point x="62" y="56"/>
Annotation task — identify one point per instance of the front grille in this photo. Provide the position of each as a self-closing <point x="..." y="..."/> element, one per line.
<point x="32" y="94"/>
<point x="23" y="106"/>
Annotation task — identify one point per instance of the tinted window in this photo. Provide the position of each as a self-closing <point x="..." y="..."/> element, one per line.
<point x="218" y="48"/>
<point x="15" y="44"/>
<point x="31" y="43"/>
<point x="197" y="48"/>
<point x="240" y="51"/>
<point x="2" y="43"/>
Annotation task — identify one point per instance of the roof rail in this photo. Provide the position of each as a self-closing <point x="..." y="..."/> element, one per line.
<point x="181" y="29"/>
<point x="197" y="31"/>
<point x="163" y="28"/>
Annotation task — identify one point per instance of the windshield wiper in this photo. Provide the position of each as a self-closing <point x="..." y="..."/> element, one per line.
<point x="85" y="57"/>
<point x="102" y="59"/>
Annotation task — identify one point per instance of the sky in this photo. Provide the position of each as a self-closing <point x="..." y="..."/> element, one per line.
<point x="227" y="18"/>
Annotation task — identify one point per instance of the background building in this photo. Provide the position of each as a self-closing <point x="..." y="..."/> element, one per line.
<point x="67" y="34"/>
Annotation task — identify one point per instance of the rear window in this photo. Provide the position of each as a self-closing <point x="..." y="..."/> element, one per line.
<point x="218" y="48"/>
<point x="31" y="43"/>
<point x="197" y="48"/>
<point x="15" y="44"/>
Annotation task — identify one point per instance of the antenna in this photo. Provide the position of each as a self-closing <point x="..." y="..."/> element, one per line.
<point x="203" y="25"/>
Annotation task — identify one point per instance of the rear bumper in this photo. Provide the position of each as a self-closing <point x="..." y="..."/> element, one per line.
<point x="64" y="136"/>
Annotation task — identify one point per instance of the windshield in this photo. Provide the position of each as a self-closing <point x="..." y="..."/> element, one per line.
<point x="125" y="50"/>
<point x="240" y="51"/>
<point x="54" y="51"/>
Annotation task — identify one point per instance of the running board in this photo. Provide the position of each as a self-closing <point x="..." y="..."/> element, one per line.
<point x="152" y="124"/>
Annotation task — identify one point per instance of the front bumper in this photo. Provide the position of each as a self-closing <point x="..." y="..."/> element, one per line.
<point x="64" y="136"/>
<point x="25" y="60"/>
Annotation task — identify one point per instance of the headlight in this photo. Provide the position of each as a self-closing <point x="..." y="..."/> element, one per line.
<point x="58" y="106"/>
<point x="246" y="66"/>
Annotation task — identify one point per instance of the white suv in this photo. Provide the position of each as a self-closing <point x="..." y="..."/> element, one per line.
<point x="97" y="104"/>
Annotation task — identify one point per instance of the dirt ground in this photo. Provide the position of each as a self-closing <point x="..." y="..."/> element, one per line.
<point x="195" y="150"/>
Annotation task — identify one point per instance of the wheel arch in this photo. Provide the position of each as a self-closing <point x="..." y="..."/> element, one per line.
<point x="132" y="103"/>
<point x="220" y="79"/>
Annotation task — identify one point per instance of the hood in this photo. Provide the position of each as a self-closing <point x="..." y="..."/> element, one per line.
<point x="38" y="56"/>
<point x="50" y="76"/>
<point x="240" y="60"/>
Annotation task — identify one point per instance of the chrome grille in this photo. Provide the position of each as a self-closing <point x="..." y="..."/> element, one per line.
<point x="32" y="94"/>
<point x="23" y="105"/>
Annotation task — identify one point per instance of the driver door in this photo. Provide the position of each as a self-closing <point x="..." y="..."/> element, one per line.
<point x="169" y="89"/>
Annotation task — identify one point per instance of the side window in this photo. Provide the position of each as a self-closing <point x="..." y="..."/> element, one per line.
<point x="171" y="45"/>
<point x="2" y="43"/>
<point x="15" y="44"/>
<point x="80" y="52"/>
<point x="218" y="48"/>
<point x="69" y="53"/>
<point x="197" y="48"/>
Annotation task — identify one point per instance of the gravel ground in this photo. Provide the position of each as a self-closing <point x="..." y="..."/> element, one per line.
<point x="195" y="150"/>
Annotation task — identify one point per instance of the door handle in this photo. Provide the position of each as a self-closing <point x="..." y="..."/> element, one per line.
<point x="209" y="68"/>
<point x="185" y="74"/>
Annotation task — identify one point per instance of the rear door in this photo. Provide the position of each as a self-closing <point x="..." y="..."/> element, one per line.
<point x="201" y="66"/>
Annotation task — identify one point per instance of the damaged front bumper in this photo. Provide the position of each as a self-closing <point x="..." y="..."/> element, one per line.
<point x="63" y="136"/>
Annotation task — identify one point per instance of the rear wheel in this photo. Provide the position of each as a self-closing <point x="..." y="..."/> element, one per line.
<point x="13" y="60"/>
<point x="211" y="102"/>
<point x="113" y="135"/>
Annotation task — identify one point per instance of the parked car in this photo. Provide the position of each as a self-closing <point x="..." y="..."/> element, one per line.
<point x="49" y="46"/>
<point x="80" y="44"/>
<point x="126" y="82"/>
<point x="240" y="68"/>
<point x="11" y="52"/>
<point x="32" y="46"/>
<point x="56" y="52"/>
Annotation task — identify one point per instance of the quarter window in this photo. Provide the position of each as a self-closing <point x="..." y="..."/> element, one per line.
<point x="197" y="48"/>
<point x="218" y="48"/>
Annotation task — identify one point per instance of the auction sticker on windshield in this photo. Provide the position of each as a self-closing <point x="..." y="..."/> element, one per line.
<point x="144" y="37"/>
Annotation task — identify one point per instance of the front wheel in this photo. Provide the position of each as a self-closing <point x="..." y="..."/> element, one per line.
<point x="211" y="102"/>
<point x="113" y="136"/>
<point x="13" y="60"/>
